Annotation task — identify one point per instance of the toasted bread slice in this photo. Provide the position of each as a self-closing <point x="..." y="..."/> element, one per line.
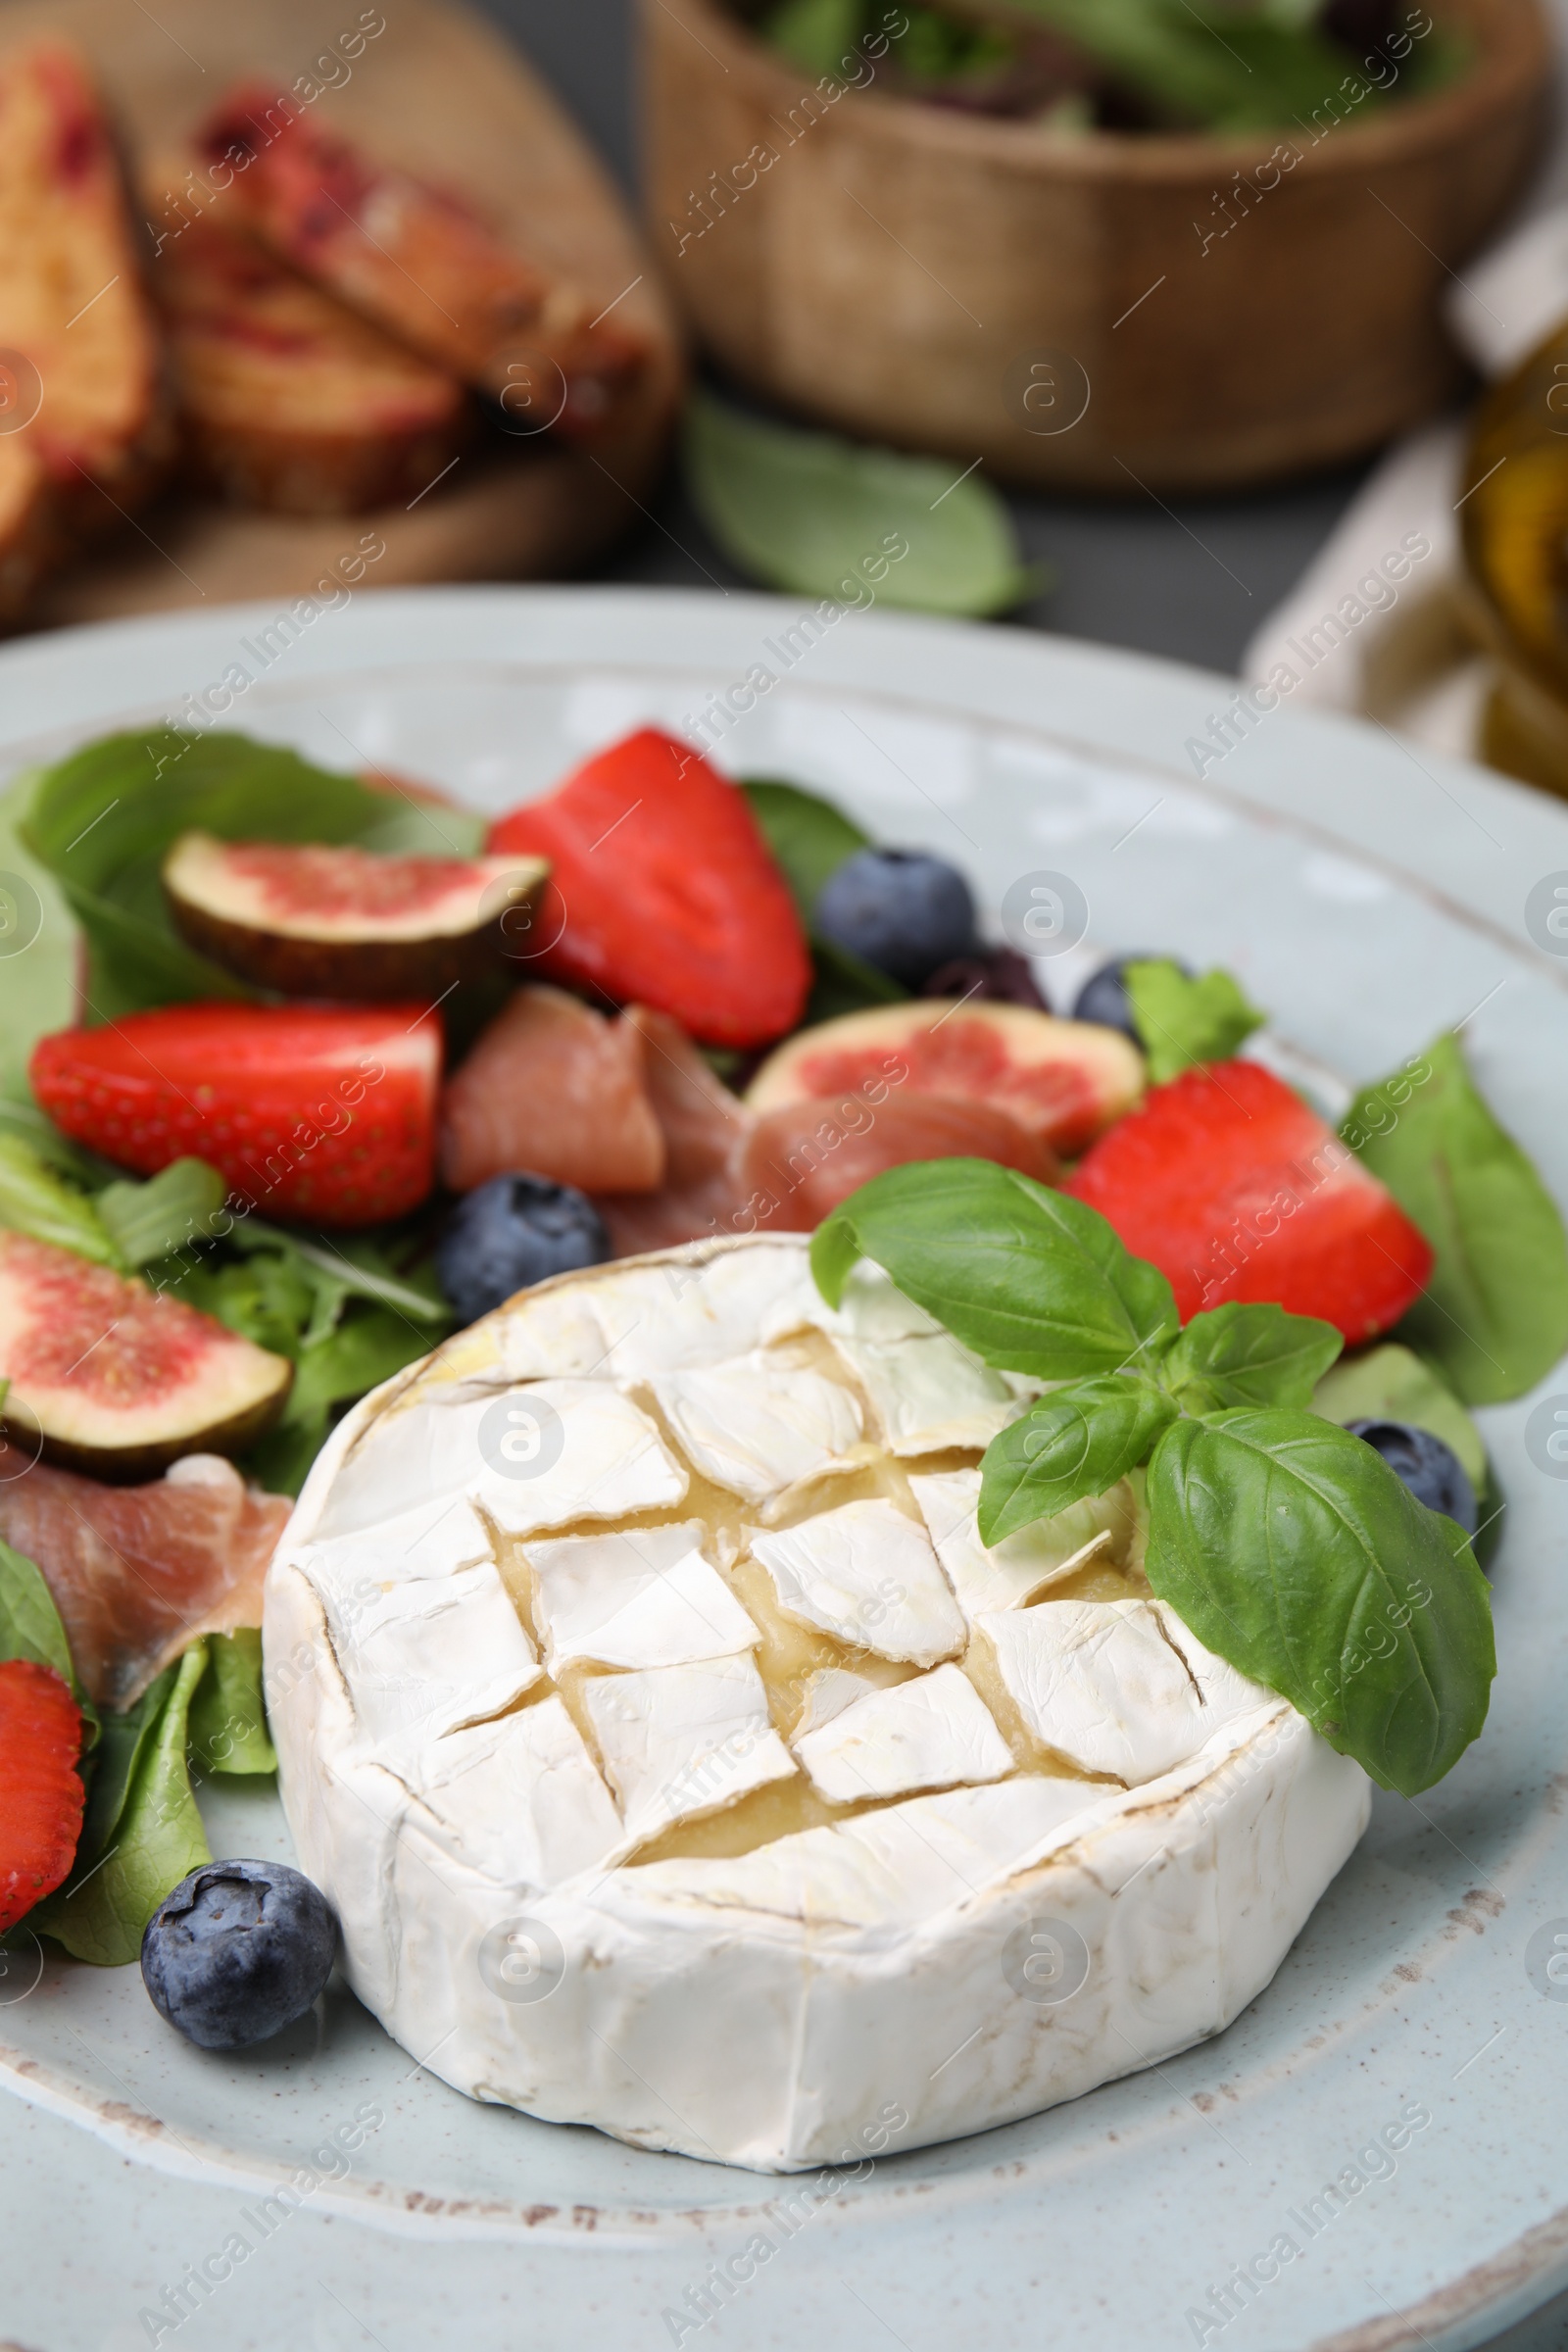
<point x="421" y="263"/>
<point x="287" y="400"/>
<point x="71" y="299"/>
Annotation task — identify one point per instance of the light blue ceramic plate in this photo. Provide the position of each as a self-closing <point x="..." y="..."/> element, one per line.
<point x="1369" y="898"/>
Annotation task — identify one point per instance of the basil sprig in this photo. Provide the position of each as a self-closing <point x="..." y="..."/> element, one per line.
<point x="1289" y="1546"/>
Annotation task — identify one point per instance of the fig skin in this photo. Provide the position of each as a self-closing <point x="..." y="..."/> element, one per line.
<point x="354" y="970"/>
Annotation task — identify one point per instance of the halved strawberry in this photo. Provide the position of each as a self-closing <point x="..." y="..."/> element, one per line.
<point x="42" y="1795"/>
<point x="1236" y="1191"/>
<point x="670" y="896"/>
<point x="316" y="1112"/>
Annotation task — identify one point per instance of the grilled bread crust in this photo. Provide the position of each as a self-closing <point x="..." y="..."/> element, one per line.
<point x="421" y="263"/>
<point x="289" y="400"/>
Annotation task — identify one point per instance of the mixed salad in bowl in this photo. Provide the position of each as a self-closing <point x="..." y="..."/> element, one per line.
<point x="350" y="1069"/>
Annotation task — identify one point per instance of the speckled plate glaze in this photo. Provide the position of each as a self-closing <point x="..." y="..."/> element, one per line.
<point x="1369" y="899"/>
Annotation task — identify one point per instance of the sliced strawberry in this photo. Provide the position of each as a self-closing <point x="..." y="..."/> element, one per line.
<point x="1236" y="1191"/>
<point x="316" y="1112"/>
<point x="41" y="1793"/>
<point x="670" y="895"/>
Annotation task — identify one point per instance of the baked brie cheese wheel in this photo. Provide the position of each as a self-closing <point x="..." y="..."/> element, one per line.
<point x="681" y="1762"/>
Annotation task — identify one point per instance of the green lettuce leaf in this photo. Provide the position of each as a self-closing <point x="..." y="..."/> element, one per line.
<point x="1182" y="1023"/>
<point x="171" y="1210"/>
<point x="1493" y="1318"/>
<point x="36" y="1200"/>
<point x="227" y="1728"/>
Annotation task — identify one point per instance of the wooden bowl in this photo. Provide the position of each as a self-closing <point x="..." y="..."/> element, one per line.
<point x="1096" y="312"/>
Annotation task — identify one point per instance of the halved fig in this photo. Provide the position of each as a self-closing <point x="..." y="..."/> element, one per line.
<point x="107" y="1376"/>
<point x="807" y="1157"/>
<point x="1064" y="1082"/>
<point x="314" y="921"/>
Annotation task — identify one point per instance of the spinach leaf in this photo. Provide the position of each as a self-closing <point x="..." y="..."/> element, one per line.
<point x="37" y="946"/>
<point x="1078" y="1440"/>
<point x="227" y="1726"/>
<point x="1494" y="1316"/>
<point x="155" y="1837"/>
<point x="1291" y="1548"/>
<point x="809" y="837"/>
<point x="171" y="1210"/>
<point x="1182" y="1023"/>
<point x="102" y="820"/>
<point x="833" y="519"/>
<point x="31" y="1626"/>
<point x="1236" y="1354"/>
<point x="1388" y="1383"/>
<point x="1031" y="1280"/>
<point x="37" y="1201"/>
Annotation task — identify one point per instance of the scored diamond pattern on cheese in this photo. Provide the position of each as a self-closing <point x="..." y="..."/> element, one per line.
<point x="520" y="1799"/>
<point x="713" y="1555"/>
<point x="1102" y="1683"/>
<point x="932" y="1733"/>
<point x="682" y="1741"/>
<point x="634" y="1596"/>
<point x="866" y="1575"/>
<point x="536" y="1456"/>
<point x="1017" y="1570"/>
<point x="430" y="1653"/>
<point x="755" y="1426"/>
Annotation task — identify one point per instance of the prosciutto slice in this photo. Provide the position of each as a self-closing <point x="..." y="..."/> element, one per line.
<point x="138" y="1572"/>
<point x="706" y="1130"/>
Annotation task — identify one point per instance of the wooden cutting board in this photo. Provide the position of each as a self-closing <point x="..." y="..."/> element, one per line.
<point x="438" y="91"/>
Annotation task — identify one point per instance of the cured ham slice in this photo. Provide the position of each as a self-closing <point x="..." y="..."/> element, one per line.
<point x="552" y="1089"/>
<point x="706" y="1130"/>
<point x="138" y="1572"/>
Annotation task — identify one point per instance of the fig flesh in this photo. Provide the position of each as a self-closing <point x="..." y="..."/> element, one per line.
<point x="108" y="1376"/>
<point x="345" y="923"/>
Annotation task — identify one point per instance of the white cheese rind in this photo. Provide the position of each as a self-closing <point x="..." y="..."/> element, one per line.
<point x="932" y="1733"/>
<point x="634" y="1596"/>
<point x="754" y="1426"/>
<point x="870" y="1960"/>
<point x="1017" y="1570"/>
<point x="868" y="1575"/>
<point x="682" y="1741"/>
<point x="1104" y="1683"/>
<point x="431" y="1653"/>
<point x="520" y="1799"/>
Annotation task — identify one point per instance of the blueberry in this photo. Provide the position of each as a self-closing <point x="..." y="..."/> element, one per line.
<point x="1103" y="999"/>
<point x="237" y="1952"/>
<point x="899" y="911"/>
<point x="514" y="1231"/>
<point x="1431" y="1470"/>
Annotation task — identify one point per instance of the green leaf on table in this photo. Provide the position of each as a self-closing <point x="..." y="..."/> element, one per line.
<point x="1390" y="1383"/>
<point x="1078" y="1440"/>
<point x="837" y="521"/>
<point x="148" y="1831"/>
<point x="1183" y="1023"/>
<point x="36" y="1200"/>
<point x="1240" y="1354"/>
<point x="1291" y="1548"/>
<point x="227" y="1728"/>
<point x="1493" y="1317"/>
<point x="171" y="1210"/>
<point x="102" y="820"/>
<point x="1032" y="1281"/>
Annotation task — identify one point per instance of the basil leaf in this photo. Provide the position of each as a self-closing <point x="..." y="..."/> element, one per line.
<point x="1388" y="1383"/>
<point x="1495" y="1315"/>
<point x="174" y="1207"/>
<point x="35" y="1200"/>
<point x="848" y="524"/>
<point x="102" y="820"/>
<point x="809" y="839"/>
<point x="1291" y="1550"/>
<point x="227" y="1726"/>
<point x="1182" y="1023"/>
<point x="1030" y="1280"/>
<point x="1251" y="1355"/>
<point x="1078" y="1440"/>
<point x="155" y="1841"/>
